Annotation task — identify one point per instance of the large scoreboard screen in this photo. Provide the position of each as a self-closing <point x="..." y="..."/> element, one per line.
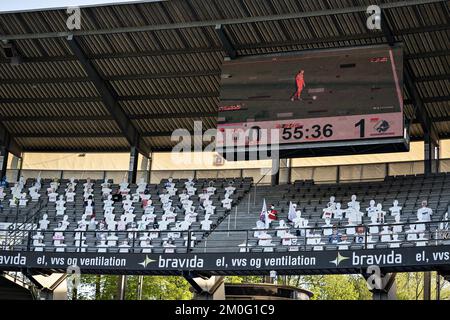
<point x="313" y="97"/>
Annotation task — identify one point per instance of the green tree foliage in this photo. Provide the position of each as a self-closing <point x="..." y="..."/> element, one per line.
<point x="154" y="288"/>
<point x="245" y="279"/>
<point x="410" y="286"/>
<point x="332" y="287"/>
<point x="329" y="287"/>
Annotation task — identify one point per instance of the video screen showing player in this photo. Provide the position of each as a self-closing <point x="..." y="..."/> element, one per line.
<point x="338" y="88"/>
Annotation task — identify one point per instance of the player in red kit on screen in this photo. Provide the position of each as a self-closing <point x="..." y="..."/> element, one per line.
<point x="300" y="82"/>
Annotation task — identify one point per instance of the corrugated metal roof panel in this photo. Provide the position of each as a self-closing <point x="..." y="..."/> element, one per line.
<point x="48" y="90"/>
<point x="161" y="106"/>
<point x="62" y="128"/>
<point x="53" y="109"/>
<point x="55" y="144"/>
<point x="51" y="58"/>
<point x="165" y="125"/>
<point x="168" y="86"/>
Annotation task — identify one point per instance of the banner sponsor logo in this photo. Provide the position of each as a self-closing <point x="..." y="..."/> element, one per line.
<point x="230" y="262"/>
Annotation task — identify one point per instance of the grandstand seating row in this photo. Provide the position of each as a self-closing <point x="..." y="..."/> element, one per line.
<point x="61" y="224"/>
<point x="309" y="198"/>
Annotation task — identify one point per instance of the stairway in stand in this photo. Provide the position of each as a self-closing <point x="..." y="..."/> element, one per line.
<point x="13" y="291"/>
<point x="244" y="218"/>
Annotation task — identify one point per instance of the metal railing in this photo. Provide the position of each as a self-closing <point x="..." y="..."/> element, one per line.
<point x="186" y="240"/>
<point x="17" y="229"/>
<point x="255" y="185"/>
<point x="300" y="239"/>
<point x="36" y="204"/>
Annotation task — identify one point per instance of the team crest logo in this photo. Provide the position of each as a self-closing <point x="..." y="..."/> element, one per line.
<point x="382" y="126"/>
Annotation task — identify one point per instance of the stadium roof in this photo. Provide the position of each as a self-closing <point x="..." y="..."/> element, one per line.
<point x="136" y="72"/>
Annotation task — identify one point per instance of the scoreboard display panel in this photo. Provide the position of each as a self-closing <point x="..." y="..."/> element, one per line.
<point x="313" y="97"/>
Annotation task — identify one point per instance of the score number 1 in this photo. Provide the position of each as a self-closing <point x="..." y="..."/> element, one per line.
<point x="362" y="128"/>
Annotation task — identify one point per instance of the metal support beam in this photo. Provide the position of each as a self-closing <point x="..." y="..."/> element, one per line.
<point x="145" y="167"/>
<point x="284" y="171"/>
<point x="8" y="142"/>
<point x="275" y="179"/>
<point x="16" y="164"/>
<point x="132" y="171"/>
<point x="109" y="98"/>
<point x="431" y="155"/>
<point x="226" y="43"/>
<point x="121" y="287"/>
<point x="150" y="166"/>
<point x="428" y="154"/>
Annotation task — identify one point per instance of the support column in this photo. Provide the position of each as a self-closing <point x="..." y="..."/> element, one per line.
<point x="275" y="172"/>
<point x="438" y="286"/>
<point x="212" y="288"/>
<point x="139" y="287"/>
<point x="438" y="157"/>
<point x="390" y="294"/>
<point x="427" y="285"/>
<point x="16" y="164"/>
<point x="386" y="289"/>
<point x="150" y="168"/>
<point x="146" y="166"/>
<point x="285" y="165"/>
<point x="132" y="170"/>
<point x="431" y="157"/>
<point x="3" y="161"/>
<point x="121" y="287"/>
<point x="19" y="173"/>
